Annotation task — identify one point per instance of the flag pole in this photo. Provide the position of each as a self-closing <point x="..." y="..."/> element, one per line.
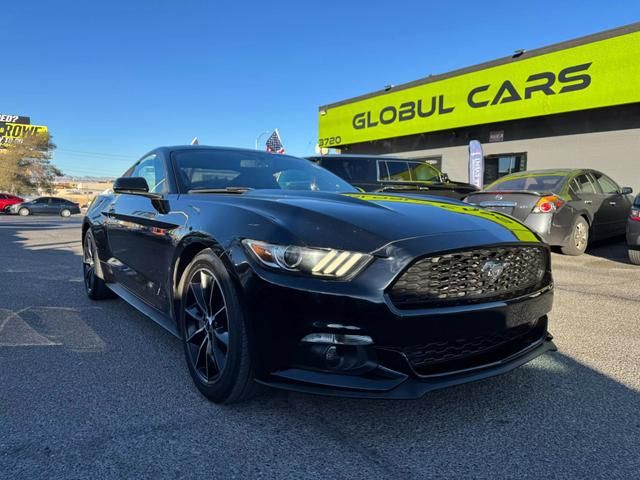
<point x="258" y="138"/>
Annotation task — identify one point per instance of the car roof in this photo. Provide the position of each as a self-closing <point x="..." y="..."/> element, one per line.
<point x="173" y="148"/>
<point x="363" y="156"/>
<point x="548" y="171"/>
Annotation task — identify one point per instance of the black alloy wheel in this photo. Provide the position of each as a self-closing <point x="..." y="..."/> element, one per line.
<point x="206" y="325"/>
<point x="95" y="287"/>
<point x="214" y="332"/>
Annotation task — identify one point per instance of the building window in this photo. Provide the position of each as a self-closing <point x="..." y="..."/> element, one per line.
<point x="496" y="166"/>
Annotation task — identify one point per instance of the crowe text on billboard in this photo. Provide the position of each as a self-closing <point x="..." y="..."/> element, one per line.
<point x="11" y="133"/>
<point x="597" y="74"/>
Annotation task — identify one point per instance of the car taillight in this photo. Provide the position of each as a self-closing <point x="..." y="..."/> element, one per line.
<point x="547" y="204"/>
<point x="635" y="214"/>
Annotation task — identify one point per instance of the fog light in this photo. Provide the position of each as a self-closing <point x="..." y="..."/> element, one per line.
<point x="338" y="339"/>
<point x="332" y="357"/>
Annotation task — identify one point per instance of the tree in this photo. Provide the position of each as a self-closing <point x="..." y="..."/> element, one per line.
<point x="26" y="167"/>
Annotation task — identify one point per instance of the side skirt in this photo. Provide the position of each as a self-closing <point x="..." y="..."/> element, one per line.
<point x="160" y="318"/>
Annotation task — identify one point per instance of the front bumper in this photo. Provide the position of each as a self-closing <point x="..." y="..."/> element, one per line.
<point x="398" y="386"/>
<point x="284" y="309"/>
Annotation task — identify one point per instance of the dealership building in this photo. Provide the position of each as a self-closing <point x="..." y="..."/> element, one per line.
<point x="573" y="104"/>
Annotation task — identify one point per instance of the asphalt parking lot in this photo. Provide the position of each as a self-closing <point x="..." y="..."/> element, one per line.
<point x="95" y="390"/>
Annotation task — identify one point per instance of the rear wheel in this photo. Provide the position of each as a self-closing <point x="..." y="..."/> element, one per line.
<point x="634" y="257"/>
<point x="24" y="212"/>
<point x="95" y="287"/>
<point x="579" y="239"/>
<point x="65" y="212"/>
<point x="214" y="332"/>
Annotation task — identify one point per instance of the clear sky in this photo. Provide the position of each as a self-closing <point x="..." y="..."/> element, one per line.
<point x="116" y="78"/>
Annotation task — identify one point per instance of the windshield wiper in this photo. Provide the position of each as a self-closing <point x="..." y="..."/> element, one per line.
<point x="221" y="190"/>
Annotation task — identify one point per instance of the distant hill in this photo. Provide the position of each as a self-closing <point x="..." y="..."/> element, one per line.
<point x="83" y="179"/>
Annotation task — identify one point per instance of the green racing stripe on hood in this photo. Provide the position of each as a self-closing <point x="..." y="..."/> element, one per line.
<point x="521" y="232"/>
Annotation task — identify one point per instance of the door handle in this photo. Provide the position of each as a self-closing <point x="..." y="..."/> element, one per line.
<point x="588" y="202"/>
<point x="612" y="204"/>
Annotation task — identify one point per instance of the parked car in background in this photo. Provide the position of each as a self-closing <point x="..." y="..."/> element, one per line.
<point x="6" y="200"/>
<point x="46" y="206"/>
<point x="373" y="173"/>
<point x="633" y="232"/>
<point x="567" y="207"/>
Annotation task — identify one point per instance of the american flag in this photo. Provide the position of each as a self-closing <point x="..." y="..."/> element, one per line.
<point x="274" y="144"/>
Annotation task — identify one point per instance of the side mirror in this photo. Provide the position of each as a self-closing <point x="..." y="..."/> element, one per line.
<point x="445" y="177"/>
<point x="133" y="185"/>
<point x="626" y="190"/>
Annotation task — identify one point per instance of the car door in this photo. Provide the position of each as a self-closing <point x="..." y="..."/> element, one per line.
<point x="51" y="206"/>
<point x="584" y="195"/>
<point x="614" y="208"/>
<point x="40" y="206"/>
<point x="55" y="205"/>
<point x="139" y="231"/>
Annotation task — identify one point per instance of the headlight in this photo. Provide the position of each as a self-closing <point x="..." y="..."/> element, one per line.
<point x="326" y="263"/>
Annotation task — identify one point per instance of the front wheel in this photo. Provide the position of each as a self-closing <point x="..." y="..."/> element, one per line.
<point x="24" y="212"/>
<point x="579" y="239"/>
<point x="214" y="331"/>
<point x="94" y="286"/>
<point x="634" y="257"/>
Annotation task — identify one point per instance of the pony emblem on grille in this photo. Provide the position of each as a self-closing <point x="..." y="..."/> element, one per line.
<point x="491" y="270"/>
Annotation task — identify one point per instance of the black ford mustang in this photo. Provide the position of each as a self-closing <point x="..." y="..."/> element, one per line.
<point x="272" y="270"/>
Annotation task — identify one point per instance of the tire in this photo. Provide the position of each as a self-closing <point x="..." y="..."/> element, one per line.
<point x="214" y="331"/>
<point x="65" y="212"/>
<point x="634" y="256"/>
<point x="24" y="212"/>
<point x="579" y="238"/>
<point x="94" y="286"/>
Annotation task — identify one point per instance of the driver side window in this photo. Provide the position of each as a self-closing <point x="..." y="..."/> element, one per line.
<point x="151" y="168"/>
<point x="606" y="184"/>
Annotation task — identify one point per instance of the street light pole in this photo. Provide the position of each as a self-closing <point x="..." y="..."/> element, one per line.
<point x="258" y="138"/>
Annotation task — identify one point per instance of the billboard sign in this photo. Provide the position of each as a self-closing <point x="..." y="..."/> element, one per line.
<point x="4" y="117"/>
<point x="12" y="133"/>
<point x="591" y="75"/>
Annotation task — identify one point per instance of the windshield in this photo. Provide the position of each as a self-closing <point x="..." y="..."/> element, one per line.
<point x="238" y="169"/>
<point x="533" y="183"/>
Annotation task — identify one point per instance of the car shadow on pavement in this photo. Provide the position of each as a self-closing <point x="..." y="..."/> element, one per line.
<point x="555" y="417"/>
<point x="614" y="250"/>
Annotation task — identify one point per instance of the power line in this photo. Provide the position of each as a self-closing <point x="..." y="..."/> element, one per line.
<point x="89" y="172"/>
<point x="101" y="154"/>
<point x="101" y="160"/>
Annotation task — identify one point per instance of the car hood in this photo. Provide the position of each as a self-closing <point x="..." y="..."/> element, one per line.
<point x="368" y="222"/>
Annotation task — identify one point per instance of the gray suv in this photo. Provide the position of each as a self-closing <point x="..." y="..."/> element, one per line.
<point x="373" y="173"/>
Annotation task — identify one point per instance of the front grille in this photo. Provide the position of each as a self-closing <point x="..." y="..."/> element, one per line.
<point x="460" y="353"/>
<point x="467" y="277"/>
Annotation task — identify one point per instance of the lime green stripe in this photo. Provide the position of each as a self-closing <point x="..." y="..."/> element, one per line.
<point x="521" y="232"/>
